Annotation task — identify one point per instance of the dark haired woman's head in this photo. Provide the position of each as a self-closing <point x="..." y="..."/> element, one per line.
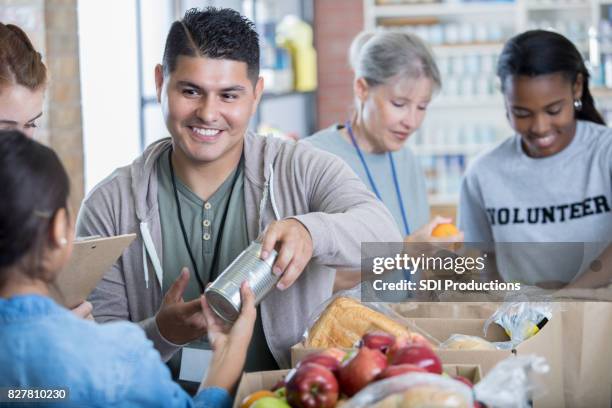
<point x="546" y="89"/>
<point x="35" y="228"/>
<point x="23" y="79"/>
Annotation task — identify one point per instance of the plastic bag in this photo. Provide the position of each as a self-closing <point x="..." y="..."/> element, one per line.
<point x="420" y="389"/>
<point x="520" y="320"/>
<point x="380" y="307"/>
<point x="465" y="342"/>
<point x="511" y="383"/>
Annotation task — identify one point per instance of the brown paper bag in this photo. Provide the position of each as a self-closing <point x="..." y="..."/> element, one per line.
<point x="587" y="349"/>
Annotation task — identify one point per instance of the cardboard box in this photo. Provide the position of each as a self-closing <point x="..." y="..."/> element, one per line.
<point x="264" y="380"/>
<point x="251" y="382"/>
<point x="455" y="310"/>
<point x="547" y="343"/>
<point x="441" y="329"/>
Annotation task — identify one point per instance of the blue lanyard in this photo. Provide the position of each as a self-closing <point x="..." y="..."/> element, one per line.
<point x="371" y="179"/>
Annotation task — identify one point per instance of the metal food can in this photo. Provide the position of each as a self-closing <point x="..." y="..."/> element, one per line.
<point x="223" y="295"/>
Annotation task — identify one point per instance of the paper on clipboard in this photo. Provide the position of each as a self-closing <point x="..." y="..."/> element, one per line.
<point x="91" y="258"/>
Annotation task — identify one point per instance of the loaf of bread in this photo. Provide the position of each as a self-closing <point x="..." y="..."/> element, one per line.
<point x="424" y="396"/>
<point x="346" y="320"/>
<point x="463" y="342"/>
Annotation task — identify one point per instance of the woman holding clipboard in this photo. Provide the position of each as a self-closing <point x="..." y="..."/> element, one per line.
<point x="83" y="363"/>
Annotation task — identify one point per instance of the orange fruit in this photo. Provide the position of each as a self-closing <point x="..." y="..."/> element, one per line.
<point x="444" y="230"/>
<point x="251" y="398"/>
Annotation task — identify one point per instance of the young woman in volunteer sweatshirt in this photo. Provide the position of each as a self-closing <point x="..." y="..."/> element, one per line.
<point x="552" y="181"/>
<point x="45" y="346"/>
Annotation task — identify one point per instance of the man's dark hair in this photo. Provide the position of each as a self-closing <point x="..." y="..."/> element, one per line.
<point x="213" y="33"/>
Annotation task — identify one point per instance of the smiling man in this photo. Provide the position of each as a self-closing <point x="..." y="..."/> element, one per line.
<point x="197" y="199"/>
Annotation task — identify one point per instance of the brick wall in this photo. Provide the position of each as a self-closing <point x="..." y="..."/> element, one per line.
<point x="51" y="25"/>
<point x="64" y="94"/>
<point x="336" y="22"/>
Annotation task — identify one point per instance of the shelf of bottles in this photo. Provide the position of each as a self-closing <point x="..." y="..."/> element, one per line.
<point x="388" y="9"/>
<point x="556" y="5"/>
<point x="446" y="148"/>
<point x="467" y="117"/>
<point x="466" y="38"/>
<point x="600" y="39"/>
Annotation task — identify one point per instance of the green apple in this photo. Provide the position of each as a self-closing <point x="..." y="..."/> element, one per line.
<point x="281" y="392"/>
<point x="270" y="402"/>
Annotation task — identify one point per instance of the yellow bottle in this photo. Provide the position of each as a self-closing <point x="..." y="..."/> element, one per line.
<point x="296" y="35"/>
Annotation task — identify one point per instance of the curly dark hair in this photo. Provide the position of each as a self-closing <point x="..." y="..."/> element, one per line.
<point x="213" y="33"/>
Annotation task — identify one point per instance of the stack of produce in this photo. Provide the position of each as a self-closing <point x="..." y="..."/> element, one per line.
<point x="328" y="378"/>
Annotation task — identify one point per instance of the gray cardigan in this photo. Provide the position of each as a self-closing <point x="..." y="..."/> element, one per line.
<point x="282" y="180"/>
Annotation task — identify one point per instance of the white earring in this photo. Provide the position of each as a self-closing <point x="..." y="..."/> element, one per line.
<point x="63" y="241"/>
<point x="577" y="104"/>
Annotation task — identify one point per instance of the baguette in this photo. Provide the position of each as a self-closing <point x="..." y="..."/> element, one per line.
<point x="346" y="320"/>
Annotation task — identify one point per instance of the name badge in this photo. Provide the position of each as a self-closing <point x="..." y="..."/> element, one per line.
<point x="194" y="362"/>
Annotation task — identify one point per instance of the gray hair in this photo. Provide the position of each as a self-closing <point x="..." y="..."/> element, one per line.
<point x="382" y="54"/>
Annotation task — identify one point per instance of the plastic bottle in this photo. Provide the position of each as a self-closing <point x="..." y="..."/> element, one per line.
<point x="296" y="35"/>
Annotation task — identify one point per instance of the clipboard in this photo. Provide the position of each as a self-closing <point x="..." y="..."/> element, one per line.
<point x="91" y="258"/>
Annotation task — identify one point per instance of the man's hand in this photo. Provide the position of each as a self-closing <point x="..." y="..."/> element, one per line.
<point x="83" y="310"/>
<point x="178" y="321"/>
<point x="229" y="346"/>
<point x="294" y="245"/>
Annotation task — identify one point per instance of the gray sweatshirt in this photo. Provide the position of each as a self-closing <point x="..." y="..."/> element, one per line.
<point x="410" y="175"/>
<point x="566" y="198"/>
<point x="282" y="180"/>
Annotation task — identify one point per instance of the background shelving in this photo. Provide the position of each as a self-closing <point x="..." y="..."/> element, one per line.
<point x="468" y="116"/>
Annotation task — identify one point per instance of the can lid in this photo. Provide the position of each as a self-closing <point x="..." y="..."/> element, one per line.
<point x="221" y="305"/>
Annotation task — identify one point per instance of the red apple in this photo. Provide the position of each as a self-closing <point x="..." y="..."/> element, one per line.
<point x="327" y="361"/>
<point x="417" y="338"/>
<point x="464" y="380"/>
<point x="360" y="370"/>
<point x="400" y="343"/>
<point x="377" y="340"/>
<point x="419" y="355"/>
<point x="405" y="341"/>
<point x="400" y="369"/>
<point x="311" y="386"/>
